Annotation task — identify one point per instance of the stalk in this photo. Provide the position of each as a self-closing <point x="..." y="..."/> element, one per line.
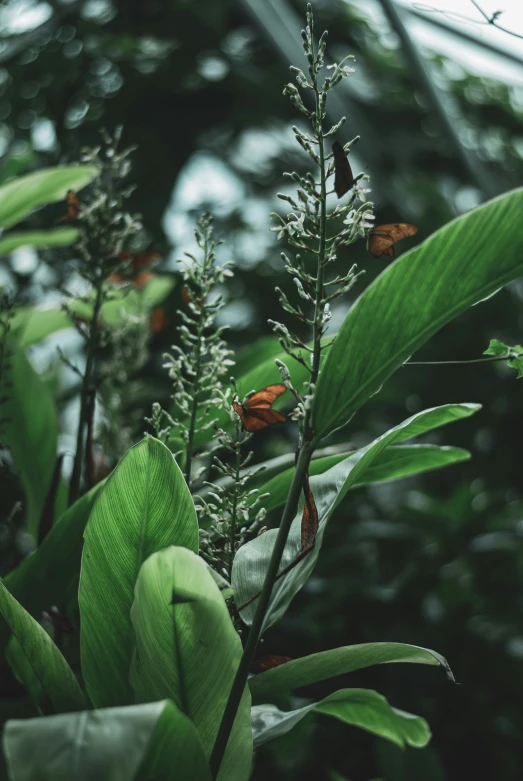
<point x="85" y="398"/>
<point x="302" y="467"/>
<point x="232" y="526"/>
<point x="194" y="397"/>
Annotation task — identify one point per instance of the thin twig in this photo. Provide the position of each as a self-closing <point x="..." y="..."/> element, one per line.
<point x="491" y="20"/>
<point x="74" y="488"/>
<point x="490" y="359"/>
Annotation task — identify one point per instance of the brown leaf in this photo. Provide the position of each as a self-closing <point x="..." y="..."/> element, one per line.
<point x="309" y="519"/>
<point x="268" y="661"/>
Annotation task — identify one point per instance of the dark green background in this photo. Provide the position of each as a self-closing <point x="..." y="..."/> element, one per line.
<point x="437" y="560"/>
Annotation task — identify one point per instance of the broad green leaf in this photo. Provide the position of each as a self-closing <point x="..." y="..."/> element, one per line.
<point x="338" y="661"/>
<point x="56" y="677"/>
<point x="31" y="432"/>
<point x="19" y="197"/>
<point x="188" y="650"/>
<point x="42" y="579"/>
<point x="362" y="708"/>
<point x="392" y="464"/>
<point x="461" y="264"/>
<point x="144" y="506"/>
<point x="31" y="325"/>
<point x="153" y="742"/>
<point x="251" y="562"/>
<point x="59" y="237"/>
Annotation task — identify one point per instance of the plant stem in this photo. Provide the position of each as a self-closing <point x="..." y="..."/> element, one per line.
<point x="249" y="651"/>
<point x="85" y="398"/>
<point x="490" y="359"/>
<point x="197" y="378"/>
<point x="291" y="505"/>
<point x="194" y="408"/>
<point x="232" y="525"/>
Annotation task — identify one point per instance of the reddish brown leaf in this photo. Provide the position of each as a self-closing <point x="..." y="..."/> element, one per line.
<point x="343" y="178"/>
<point x="73" y="207"/>
<point x="309" y="519"/>
<point x="268" y="661"/>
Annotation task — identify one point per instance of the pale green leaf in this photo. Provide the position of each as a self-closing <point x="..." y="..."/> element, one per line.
<point x="153" y="742"/>
<point x="514" y="354"/>
<point x="31" y="325"/>
<point x="188" y="650"/>
<point x="58" y="237"/>
<point x="362" y="708"/>
<point x="20" y="196"/>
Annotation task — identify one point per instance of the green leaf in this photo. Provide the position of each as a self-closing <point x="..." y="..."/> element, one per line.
<point x="42" y="579"/>
<point x="362" y="708"/>
<point x="24" y="674"/>
<point x="251" y="561"/>
<point x="144" y="506"/>
<point x="187" y="649"/>
<point x="514" y="354"/>
<point x="59" y="237"/>
<point x="461" y="264"/>
<point x="31" y="325"/>
<point x="56" y="677"/>
<point x="153" y="742"/>
<point x="19" y="197"/>
<point x="392" y="464"/>
<point x="31" y="432"/>
<point x="338" y="661"/>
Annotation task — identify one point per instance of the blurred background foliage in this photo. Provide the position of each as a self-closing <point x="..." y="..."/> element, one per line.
<point x="435" y="560"/>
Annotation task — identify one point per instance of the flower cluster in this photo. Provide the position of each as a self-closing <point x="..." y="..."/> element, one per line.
<point x="198" y="363"/>
<point x="230" y="511"/>
<point x="310" y="229"/>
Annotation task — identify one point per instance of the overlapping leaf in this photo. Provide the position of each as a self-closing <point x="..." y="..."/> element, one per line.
<point x="187" y="649"/>
<point x="251" y="562"/>
<point x="152" y="742"/>
<point x="144" y="506"/>
<point x="391" y="464"/>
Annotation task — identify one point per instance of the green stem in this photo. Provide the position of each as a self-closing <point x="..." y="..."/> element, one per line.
<point x="291" y="505"/>
<point x="492" y="359"/>
<point x="249" y="651"/>
<point x="232" y="525"/>
<point x="85" y="398"/>
<point x="195" y="392"/>
<point x="198" y="365"/>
